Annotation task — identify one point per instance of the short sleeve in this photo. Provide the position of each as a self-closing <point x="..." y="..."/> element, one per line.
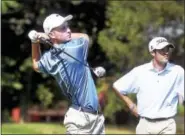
<point x="78" y="48"/>
<point x="127" y="83"/>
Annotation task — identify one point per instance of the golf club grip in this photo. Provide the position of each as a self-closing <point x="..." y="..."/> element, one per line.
<point x="45" y="41"/>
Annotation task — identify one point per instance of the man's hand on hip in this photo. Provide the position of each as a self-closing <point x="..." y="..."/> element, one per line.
<point x="133" y="109"/>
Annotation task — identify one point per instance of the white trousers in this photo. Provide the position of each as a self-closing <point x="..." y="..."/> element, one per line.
<point x="79" y="122"/>
<point x="167" y="126"/>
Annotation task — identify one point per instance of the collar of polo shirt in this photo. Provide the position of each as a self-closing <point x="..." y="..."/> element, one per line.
<point x="151" y="67"/>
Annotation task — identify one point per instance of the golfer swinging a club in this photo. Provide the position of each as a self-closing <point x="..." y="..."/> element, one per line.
<point x="74" y="79"/>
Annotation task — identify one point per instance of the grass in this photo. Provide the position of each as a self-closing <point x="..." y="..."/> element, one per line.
<point x="56" y="128"/>
<point x="46" y="128"/>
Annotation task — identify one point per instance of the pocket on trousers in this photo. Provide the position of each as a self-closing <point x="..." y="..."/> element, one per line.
<point x="80" y="119"/>
<point x="66" y="118"/>
<point x="172" y="125"/>
<point x="138" y="127"/>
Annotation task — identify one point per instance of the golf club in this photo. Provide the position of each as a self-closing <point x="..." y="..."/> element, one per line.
<point x="98" y="71"/>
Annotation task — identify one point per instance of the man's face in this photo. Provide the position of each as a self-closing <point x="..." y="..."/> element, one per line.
<point x="162" y="55"/>
<point x="61" y="33"/>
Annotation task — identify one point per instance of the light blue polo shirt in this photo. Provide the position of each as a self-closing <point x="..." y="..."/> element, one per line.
<point x="74" y="78"/>
<point x="157" y="92"/>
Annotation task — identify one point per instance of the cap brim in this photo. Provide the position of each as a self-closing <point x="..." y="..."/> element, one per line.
<point x="164" y="44"/>
<point x="69" y="17"/>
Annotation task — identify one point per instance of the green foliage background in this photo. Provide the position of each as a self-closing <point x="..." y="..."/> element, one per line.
<point x="119" y="31"/>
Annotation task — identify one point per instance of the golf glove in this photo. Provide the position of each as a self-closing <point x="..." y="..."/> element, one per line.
<point x="33" y="35"/>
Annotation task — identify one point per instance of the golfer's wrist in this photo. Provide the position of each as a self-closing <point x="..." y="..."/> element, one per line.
<point x="35" y="42"/>
<point x="132" y="107"/>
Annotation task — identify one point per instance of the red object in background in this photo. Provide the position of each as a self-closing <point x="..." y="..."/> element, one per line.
<point x="102" y="99"/>
<point x="35" y="117"/>
<point x="16" y="114"/>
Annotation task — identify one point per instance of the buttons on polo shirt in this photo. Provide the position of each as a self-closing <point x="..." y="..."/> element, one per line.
<point x="158" y="74"/>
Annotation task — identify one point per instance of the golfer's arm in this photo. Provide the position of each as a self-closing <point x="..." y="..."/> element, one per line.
<point x="128" y="101"/>
<point x="36" y="53"/>
<point x="79" y="35"/>
<point x="124" y="98"/>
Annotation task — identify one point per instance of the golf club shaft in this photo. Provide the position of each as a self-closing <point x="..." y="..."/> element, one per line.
<point x="44" y="41"/>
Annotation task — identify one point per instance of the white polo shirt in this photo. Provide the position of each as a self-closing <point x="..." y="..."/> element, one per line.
<point x="157" y="92"/>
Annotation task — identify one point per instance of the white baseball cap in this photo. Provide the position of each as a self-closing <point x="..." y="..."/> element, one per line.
<point x="159" y="43"/>
<point x="53" y="21"/>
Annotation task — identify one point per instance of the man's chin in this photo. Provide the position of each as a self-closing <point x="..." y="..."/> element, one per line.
<point x="69" y="39"/>
<point x="164" y="61"/>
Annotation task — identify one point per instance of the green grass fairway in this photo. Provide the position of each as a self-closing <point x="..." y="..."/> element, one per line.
<point x="46" y="128"/>
<point x="51" y="128"/>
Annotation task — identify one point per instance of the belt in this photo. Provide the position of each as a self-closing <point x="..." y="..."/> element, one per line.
<point x="157" y="119"/>
<point x="79" y="108"/>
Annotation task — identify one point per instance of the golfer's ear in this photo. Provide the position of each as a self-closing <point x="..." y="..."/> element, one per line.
<point x="51" y="35"/>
